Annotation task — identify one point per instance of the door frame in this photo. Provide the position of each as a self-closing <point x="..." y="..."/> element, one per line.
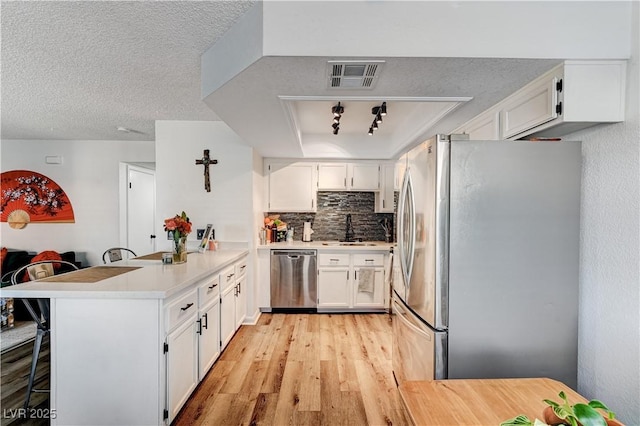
<point x="123" y="185"/>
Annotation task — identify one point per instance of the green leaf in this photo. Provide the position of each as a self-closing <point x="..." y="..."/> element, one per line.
<point x="518" y="420"/>
<point x="594" y="403"/>
<point x="551" y="403"/>
<point x="562" y="412"/>
<point x="588" y="416"/>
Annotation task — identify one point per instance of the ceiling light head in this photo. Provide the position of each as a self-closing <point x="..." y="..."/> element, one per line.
<point x="370" y="131"/>
<point x="378" y="118"/>
<point x="375" y="110"/>
<point x="383" y="109"/>
<point x="335" y="126"/>
<point x="337" y="110"/>
<point x="335" y="131"/>
<point x="374" y="126"/>
<point x="336" y="119"/>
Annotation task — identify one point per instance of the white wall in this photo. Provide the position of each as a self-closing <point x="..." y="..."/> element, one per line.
<point x="259" y="201"/>
<point x="89" y="176"/>
<point x="180" y="183"/>
<point x="609" y="327"/>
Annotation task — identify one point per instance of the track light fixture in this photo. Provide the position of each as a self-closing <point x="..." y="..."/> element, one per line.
<point x="378" y="112"/>
<point x="337" y="111"/>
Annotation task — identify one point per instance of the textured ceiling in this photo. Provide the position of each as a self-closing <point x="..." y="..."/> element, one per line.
<point x="80" y="69"/>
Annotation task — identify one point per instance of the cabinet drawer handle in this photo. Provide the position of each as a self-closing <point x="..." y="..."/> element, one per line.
<point x="206" y="321"/>
<point x="368" y="260"/>
<point x="199" y="327"/>
<point x="243" y="266"/>
<point x="229" y="276"/>
<point x="186" y="307"/>
<point x="213" y="286"/>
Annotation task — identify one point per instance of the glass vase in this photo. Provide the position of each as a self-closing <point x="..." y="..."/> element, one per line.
<point x="180" y="250"/>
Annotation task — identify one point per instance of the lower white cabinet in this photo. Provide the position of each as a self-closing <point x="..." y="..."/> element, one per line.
<point x="182" y="364"/>
<point x="209" y="337"/>
<point x="199" y="323"/>
<point x="334" y="289"/>
<point x="227" y="315"/>
<point x="369" y="294"/>
<point x="352" y="281"/>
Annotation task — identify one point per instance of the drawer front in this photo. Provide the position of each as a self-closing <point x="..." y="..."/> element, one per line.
<point x="333" y="259"/>
<point x="180" y="309"/>
<point x="241" y="268"/>
<point x="208" y="290"/>
<point x="227" y="277"/>
<point x="372" y="259"/>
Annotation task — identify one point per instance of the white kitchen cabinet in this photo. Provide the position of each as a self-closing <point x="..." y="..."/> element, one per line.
<point x="241" y="292"/>
<point x="291" y="186"/>
<point x="209" y="338"/>
<point x="208" y="324"/>
<point x="332" y="176"/>
<point x="334" y="287"/>
<point x="233" y="300"/>
<point x="182" y="361"/>
<point x="384" y="199"/>
<point x="363" y="176"/>
<point x="368" y="295"/>
<point x="339" y="285"/>
<point x="484" y="127"/>
<point x="572" y="96"/>
<point x="535" y="104"/>
<point x="227" y="305"/>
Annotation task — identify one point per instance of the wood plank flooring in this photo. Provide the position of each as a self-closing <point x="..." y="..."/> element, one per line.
<point x="302" y="369"/>
<point x="15" y="364"/>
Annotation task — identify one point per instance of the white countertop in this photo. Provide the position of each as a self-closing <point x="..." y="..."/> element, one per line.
<point x="329" y="245"/>
<point x="152" y="281"/>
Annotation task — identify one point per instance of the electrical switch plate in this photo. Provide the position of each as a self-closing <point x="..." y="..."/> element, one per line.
<point x="200" y="233"/>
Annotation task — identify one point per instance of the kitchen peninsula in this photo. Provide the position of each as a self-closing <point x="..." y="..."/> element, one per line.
<point x="131" y="348"/>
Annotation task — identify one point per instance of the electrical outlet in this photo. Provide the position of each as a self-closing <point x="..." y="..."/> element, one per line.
<point x="200" y="233"/>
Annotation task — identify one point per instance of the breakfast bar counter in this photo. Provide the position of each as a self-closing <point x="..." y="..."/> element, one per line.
<point x="480" y="401"/>
<point x="147" y="279"/>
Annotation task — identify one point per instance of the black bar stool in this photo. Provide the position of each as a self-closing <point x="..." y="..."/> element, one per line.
<point x="36" y="271"/>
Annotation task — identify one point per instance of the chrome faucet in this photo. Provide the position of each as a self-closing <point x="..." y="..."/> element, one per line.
<point x="349" y="233"/>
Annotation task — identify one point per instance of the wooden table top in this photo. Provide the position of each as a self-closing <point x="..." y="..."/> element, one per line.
<point x="480" y="401"/>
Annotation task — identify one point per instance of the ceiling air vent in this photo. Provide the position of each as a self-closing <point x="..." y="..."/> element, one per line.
<point x="353" y="74"/>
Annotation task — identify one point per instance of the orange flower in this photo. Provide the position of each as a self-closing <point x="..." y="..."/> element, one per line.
<point x="179" y="224"/>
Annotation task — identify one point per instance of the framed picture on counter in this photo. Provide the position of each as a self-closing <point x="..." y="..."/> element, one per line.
<point x="208" y="235"/>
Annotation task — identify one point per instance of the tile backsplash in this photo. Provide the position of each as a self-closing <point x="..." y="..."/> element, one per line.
<point x="329" y="222"/>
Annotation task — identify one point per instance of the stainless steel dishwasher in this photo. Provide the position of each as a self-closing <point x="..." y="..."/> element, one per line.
<point x="294" y="279"/>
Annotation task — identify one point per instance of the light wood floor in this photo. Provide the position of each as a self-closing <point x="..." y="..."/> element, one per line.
<point x="302" y="369"/>
<point x="15" y="365"/>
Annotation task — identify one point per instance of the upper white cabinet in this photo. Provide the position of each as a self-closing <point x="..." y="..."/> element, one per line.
<point x="484" y="127"/>
<point x="572" y="96"/>
<point x="384" y="197"/>
<point x="348" y="176"/>
<point x="291" y="186"/>
<point x="535" y="104"/>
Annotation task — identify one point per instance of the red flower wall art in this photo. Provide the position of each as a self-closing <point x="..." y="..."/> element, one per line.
<point x="31" y="197"/>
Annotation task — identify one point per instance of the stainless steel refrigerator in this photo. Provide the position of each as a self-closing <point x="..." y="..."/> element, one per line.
<point x="488" y="247"/>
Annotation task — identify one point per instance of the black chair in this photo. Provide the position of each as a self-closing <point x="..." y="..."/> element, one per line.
<point x="36" y="271"/>
<point x="115" y="254"/>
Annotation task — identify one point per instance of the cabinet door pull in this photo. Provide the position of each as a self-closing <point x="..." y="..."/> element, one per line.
<point x="211" y="287"/>
<point x="199" y="327"/>
<point x="243" y="266"/>
<point x="355" y="275"/>
<point x="229" y="276"/>
<point x="206" y="321"/>
<point x="186" y="307"/>
<point x="239" y="287"/>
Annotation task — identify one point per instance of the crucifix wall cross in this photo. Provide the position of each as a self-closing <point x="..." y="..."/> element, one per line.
<point x="205" y="161"/>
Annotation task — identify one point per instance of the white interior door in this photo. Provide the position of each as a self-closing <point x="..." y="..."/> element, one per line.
<point x="141" y="202"/>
